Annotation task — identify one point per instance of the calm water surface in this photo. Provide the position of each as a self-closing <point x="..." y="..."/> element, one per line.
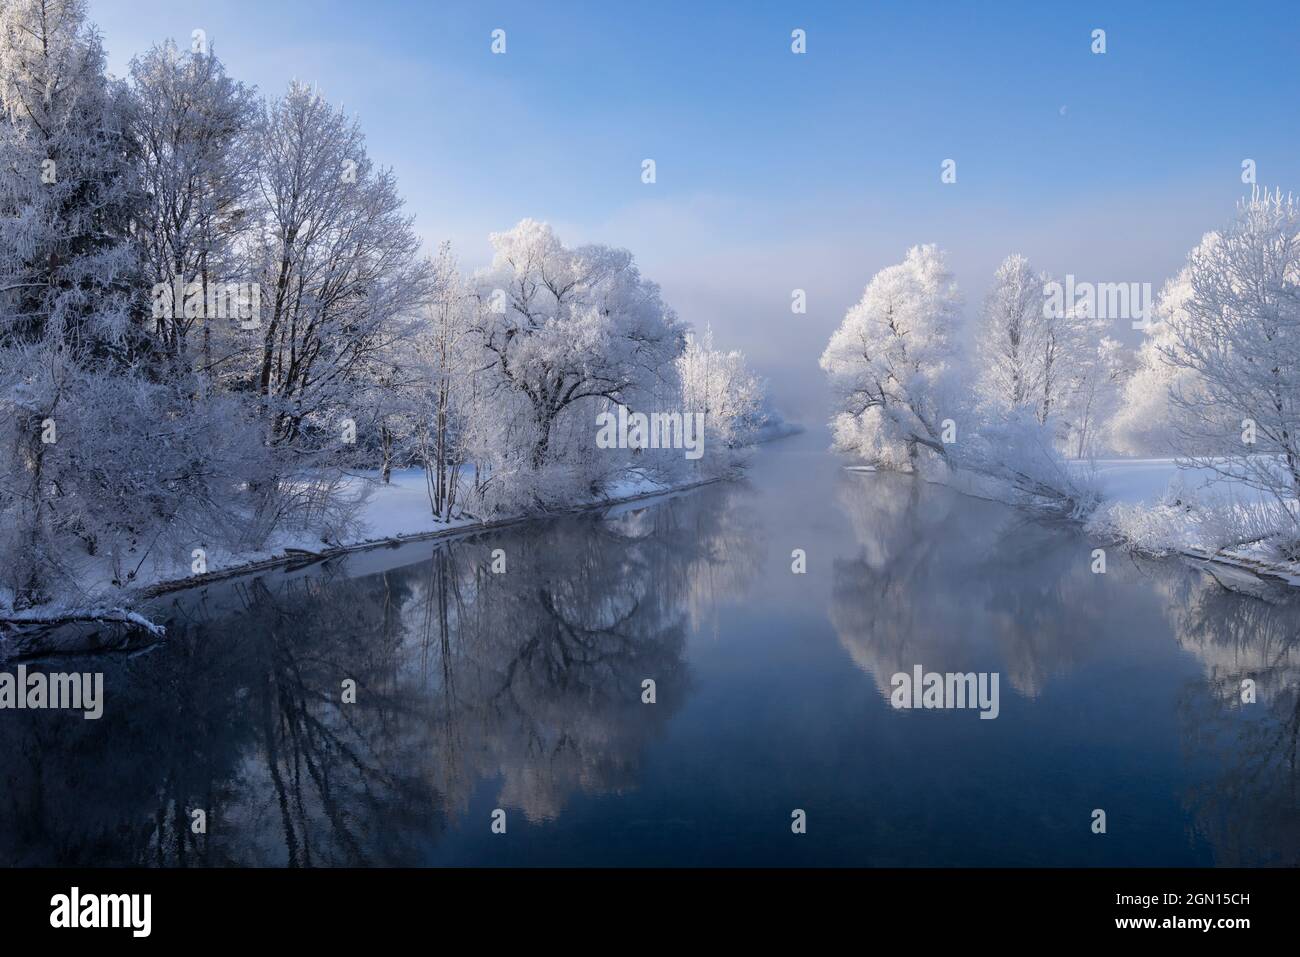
<point x="523" y="691"/>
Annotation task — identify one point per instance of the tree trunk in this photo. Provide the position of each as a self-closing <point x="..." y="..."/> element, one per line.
<point x="386" y="444"/>
<point x="31" y="590"/>
<point x="543" y="442"/>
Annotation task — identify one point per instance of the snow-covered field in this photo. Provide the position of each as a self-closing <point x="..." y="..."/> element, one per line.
<point x="1149" y="481"/>
<point x="1156" y="506"/>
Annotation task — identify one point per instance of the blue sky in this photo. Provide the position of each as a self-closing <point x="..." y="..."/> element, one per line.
<point x="779" y="171"/>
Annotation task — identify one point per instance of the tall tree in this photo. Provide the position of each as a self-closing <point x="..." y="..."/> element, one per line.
<point x="890" y="359"/>
<point x="1237" y="335"/>
<point x="337" y="260"/>
<point x="67" y="271"/>
<point x="720" y="386"/>
<point x="189" y="126"/>
<point x="567" y="326"/>
<point x="1012" y="336"/>
<point x="66" y="266"/>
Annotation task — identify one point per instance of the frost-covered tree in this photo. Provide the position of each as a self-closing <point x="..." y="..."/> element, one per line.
<point x="337" y="260"/>
<point x="118" y="450"/>
<point x="890" y="361"/>
<point x="1082" y="371"/>
<point x="132" y="436"/>
<point x="446" y="358"/>
<point x="1068" y="379"/>
<point x="722" y="387"/>
<point x="67" y="270"/>
<point x="895" y="371"/>
<point x="189" y="127"/>
<point x="1235" y="347"/>
<point x="66" y="267"/>
<point x="1012" y="337"/>
<point x="1098" y="381"/>
<point x="567" y="328"/>
<point x="1057" y="362"/>
<point x="1144" y="420"/>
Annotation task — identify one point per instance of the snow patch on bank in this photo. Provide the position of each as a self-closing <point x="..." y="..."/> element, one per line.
<point x="398" y="511"/>
<point x="1156" y="506"/>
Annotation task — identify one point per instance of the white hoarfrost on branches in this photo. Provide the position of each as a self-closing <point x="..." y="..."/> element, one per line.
<point x="903" y="395"/>
<point x="1230" y="361"/>
<point x="450" y="401"/>
<point x="189" y="124"/>
<point x="1014" y="340"/>
<point x="889" y="362"/>
<point x="721" y="387"/>
<point x="1236" y="340"/>
<point x="337" y="261"/>
<point x="216" y="325"/>
<point x="1039" y="390"/>
<point x="568" y="326"/>
<point x="1145" y="418"/>
<point x="1217" y="384"/>
<point x="67" y="272"/>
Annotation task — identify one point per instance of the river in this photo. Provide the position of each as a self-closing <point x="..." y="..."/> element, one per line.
<point x="524" y="691"/>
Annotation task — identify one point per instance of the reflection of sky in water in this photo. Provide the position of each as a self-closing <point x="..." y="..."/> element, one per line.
<point x="523" y="691"/>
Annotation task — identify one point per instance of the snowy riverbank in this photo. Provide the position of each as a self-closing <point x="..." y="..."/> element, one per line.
<point x="1158" y="507"/>
<point x="392" y="513"/>
<point x="399" y="512"/>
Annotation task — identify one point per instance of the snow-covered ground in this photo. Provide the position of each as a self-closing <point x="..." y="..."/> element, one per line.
<point x="1157" y="506"/>
<point x="400" y="510"/>
<point x="396" y="511"/>
<point x="1152" y="480"/>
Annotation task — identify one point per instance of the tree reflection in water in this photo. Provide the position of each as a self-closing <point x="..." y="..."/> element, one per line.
<point x="1249" y="808"/>
<point x="530" y="678"/>
<point x="959" y="585"/>
<point x="523" y="690"/>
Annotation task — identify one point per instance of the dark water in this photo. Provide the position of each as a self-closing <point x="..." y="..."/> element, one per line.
<point x="523" y="691"/>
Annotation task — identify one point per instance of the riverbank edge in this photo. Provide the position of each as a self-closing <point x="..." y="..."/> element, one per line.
<point x="1285" y="574"/>
<point x="296" y="559"/>
<point x="301" y="558"/>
